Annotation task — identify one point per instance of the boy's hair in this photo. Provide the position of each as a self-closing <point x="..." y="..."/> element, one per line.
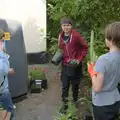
<point x="1" y="34"/>
<point x="66" y="20"/>
<point x="112" y="33"/>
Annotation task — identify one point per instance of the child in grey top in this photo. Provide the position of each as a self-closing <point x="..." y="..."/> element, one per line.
<point x="105" y="76"/>
<point x="109" y="66"/>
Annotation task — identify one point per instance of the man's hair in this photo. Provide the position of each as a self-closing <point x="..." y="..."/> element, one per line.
<point x="66" y="20"/>
<point x="1" y="34"/>
<point x="112" y="33"/>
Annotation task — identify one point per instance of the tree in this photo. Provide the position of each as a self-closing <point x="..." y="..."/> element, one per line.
<point x="87" y="14"/>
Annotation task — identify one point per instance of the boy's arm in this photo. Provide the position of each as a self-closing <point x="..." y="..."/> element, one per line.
<point x="97" y="82"/>
<point x="97" y="74"/>
<point x="84" y="47"/>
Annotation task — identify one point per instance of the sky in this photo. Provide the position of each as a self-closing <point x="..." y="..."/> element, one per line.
<point x="31" y="13"/>
<point x="22" y="10"/>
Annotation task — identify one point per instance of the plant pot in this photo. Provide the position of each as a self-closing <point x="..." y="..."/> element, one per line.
<point x="35" y="89"/>
<point x="57" y="58"/>
<point x="37" y="85"/>
<point x="44" y="84"/>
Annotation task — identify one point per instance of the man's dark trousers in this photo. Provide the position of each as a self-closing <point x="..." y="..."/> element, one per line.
<point x="70" y="75"/>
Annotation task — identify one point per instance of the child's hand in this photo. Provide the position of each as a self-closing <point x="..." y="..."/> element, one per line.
<point x="11" y="71"/>
<point x="91" y="70"/>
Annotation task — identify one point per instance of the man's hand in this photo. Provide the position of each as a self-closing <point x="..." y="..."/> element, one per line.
<point x="91" y="70"/>
<point x="74" y="62"/>
<point x="11" y="71"/>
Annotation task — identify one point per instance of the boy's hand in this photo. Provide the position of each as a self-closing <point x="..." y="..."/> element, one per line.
<point x="74" y="62"/>
<point x="91" y="70"/>
<point x="11" y="71"/>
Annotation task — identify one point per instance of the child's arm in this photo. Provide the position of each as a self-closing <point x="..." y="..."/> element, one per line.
<point x="97" y="74"/>
<point x="97" y="82"/>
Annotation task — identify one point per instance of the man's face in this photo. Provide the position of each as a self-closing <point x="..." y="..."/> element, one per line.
<point x="66" y="27"/>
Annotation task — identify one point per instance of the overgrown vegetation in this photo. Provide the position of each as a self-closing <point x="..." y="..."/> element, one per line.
<point x="87" y="15"/>
<point x="70" y="115"/>
<point x="36" y="74"/>
<point x="70" y="112"/>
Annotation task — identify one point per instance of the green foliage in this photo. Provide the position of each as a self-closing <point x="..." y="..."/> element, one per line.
<point x="53" y="44"/>
<point x="87" y="15"/>
<point x="87" y="101"/>
<point x="71" y="111"/>
<point x="37" y="74"/>
<point x="92" y="12"/>
<point x="93" y="56"/>
<point x="61" y="8"/>
<point x="70" y="115"/>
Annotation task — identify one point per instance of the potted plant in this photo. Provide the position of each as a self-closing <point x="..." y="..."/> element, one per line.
<point x="38" y="79"/>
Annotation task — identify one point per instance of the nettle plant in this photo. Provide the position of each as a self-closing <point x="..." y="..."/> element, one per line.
<point x="71" y="111"/>
<point x="70" y="114"/>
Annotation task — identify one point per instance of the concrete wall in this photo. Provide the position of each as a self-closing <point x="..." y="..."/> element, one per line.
<point x="32" y="15"/>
